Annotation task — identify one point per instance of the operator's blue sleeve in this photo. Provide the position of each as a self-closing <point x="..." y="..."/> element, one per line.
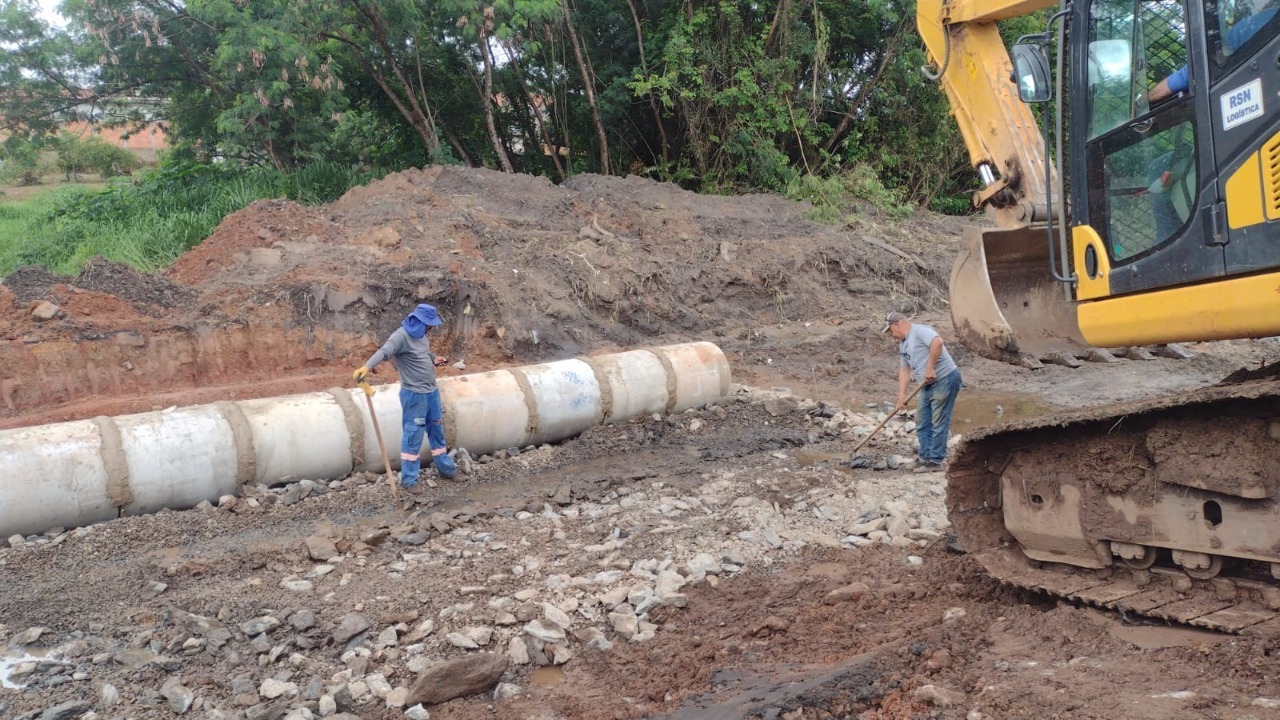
<point x="1178" y="81"/>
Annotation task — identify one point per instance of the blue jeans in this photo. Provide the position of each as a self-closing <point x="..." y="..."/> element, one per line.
<point x="421" y="414"/>
<point x="933" y="416"/>
<point x="1162" y="208"/>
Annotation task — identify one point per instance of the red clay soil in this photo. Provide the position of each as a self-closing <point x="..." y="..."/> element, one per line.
<point x="283" y="298"/>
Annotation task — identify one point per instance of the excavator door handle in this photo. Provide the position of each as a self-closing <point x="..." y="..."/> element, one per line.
<point x="1215" y="225"/>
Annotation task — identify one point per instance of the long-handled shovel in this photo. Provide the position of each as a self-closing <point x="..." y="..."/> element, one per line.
<point x="386" y="461"/>
<point x="885" y="421"/>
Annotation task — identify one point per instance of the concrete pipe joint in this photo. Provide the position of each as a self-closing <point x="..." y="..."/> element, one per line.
<point x="77" y="473"/>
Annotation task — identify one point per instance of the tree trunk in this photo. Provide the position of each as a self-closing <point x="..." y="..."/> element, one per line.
<point x="653" y="102"/>
<point x="421" y="119"/>
<point x="864" y="92"/>
<point x="415" y="121"/>
<point x="589" y="87"/>
<point x="487" y="104"/>
<point x="535" y="110"/>
<point x="775" y="29"/>
<point x="457" y="146"/>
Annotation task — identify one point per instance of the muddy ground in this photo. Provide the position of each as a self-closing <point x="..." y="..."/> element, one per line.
<point x="722" y="563"/>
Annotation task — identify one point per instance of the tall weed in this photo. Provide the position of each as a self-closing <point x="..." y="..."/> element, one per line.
<point x="151" y="219"/>
<point x="833" y="197"/>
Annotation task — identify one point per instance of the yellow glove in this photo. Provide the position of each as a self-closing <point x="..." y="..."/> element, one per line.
<point x="360" y="374"/>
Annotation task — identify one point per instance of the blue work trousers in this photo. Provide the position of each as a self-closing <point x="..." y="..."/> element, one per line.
<point x="933" y="416"/>
<point x="421" y="414"/>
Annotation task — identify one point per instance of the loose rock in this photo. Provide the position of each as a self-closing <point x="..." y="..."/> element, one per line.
<point x="321" y="548"/>
<point x="66" y="711"/>
<point x="352" y="625"/>
<point x="849" y="593"/>
<point x="45" y="310"/>
<point x="939" y="696"/>
<point x="272" y="689"/>
<point x="178" y="696"/>
<point x="445" y="681"/>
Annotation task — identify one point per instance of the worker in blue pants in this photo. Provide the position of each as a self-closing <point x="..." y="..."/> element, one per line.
<point x="421" y="412"/>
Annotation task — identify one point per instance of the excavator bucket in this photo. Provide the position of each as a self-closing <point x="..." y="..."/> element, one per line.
<point x="1005" y="304"/>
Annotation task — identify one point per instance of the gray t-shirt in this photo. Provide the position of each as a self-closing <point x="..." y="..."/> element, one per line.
<point x="913" y="352"/>
<point x="414" y="360"/>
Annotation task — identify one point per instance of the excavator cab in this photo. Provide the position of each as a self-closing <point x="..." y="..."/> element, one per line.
<point x="1156" y="217"/>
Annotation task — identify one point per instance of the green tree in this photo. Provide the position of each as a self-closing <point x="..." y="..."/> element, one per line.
<point x="73" y="157"/>
<point x="716" y="94"/>
<point x="20" y="161"/>
<point x="39" y="84"/>
<point x="238" y="83"/>
<point x="108" y="160"/>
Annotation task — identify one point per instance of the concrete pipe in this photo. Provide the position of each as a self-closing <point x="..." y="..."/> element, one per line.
<point x="82" y="472"/>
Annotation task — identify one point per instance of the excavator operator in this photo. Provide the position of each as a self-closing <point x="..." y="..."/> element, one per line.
<point x="1238" y="35"/>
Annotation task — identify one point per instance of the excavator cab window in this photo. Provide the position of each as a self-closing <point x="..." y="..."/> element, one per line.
<point x="1237" y="28"/>
<point x="1110" y="84"/>
<point x="1141" y="157"/>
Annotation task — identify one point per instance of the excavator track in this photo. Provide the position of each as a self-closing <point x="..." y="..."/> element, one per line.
<point x="1167" y="509"/>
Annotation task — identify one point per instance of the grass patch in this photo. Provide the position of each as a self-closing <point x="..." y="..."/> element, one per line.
<point x="12" y="192"/>
<point x="149" y="220"/>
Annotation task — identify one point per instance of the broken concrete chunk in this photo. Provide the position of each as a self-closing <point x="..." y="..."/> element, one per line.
<point x="321" y="548"/>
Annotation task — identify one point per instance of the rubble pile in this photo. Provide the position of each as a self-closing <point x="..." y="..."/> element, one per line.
<point x="461" y="598"/>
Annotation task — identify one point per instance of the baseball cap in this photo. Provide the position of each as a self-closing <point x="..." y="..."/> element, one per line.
<point x="890" y="319"/>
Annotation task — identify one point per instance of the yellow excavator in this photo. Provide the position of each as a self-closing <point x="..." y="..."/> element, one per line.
<point x="1129" y="159"/>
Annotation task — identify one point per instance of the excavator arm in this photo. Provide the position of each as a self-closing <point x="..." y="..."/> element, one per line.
<point x="1005" y="302"/>
<point x="974" y="69"/>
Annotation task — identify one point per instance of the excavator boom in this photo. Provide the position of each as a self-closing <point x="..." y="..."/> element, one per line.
<point x="1004" y="142"/>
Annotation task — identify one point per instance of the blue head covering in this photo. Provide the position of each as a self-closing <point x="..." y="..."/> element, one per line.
<point x="423" y="317"/>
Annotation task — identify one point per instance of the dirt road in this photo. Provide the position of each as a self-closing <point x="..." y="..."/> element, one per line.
<point x="722" y="563"/>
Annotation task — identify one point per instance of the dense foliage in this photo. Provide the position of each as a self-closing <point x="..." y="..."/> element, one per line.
<point x="718" y="95"/>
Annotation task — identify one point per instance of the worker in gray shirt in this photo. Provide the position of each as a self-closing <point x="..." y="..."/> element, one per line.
<point x="421" y="412"/>
<point x="922" y="357"/>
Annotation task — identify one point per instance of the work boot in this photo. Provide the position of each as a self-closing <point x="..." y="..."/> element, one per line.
<point x="926" y="467"/>
<point x="416" y="489"/>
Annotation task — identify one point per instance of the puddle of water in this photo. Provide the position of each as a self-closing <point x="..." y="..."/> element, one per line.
<point x="10" y="663"/>
<point x="1156" y="637"/>
<point x="546" y="677"/>
<point x="979" y="408"/>
<point x="134" y="658"/>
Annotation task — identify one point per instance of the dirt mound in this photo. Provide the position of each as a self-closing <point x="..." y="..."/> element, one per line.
<point x="145" y="292"/>
<point x="141" y="291"/>
<point x="30" y="283"/>
<point x="257" y="226"/>
<point x="545" y="270"/>
<point x="521" y="269"/>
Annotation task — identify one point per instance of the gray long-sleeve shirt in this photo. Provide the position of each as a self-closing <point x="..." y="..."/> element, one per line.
<point x="414" y="360"/>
